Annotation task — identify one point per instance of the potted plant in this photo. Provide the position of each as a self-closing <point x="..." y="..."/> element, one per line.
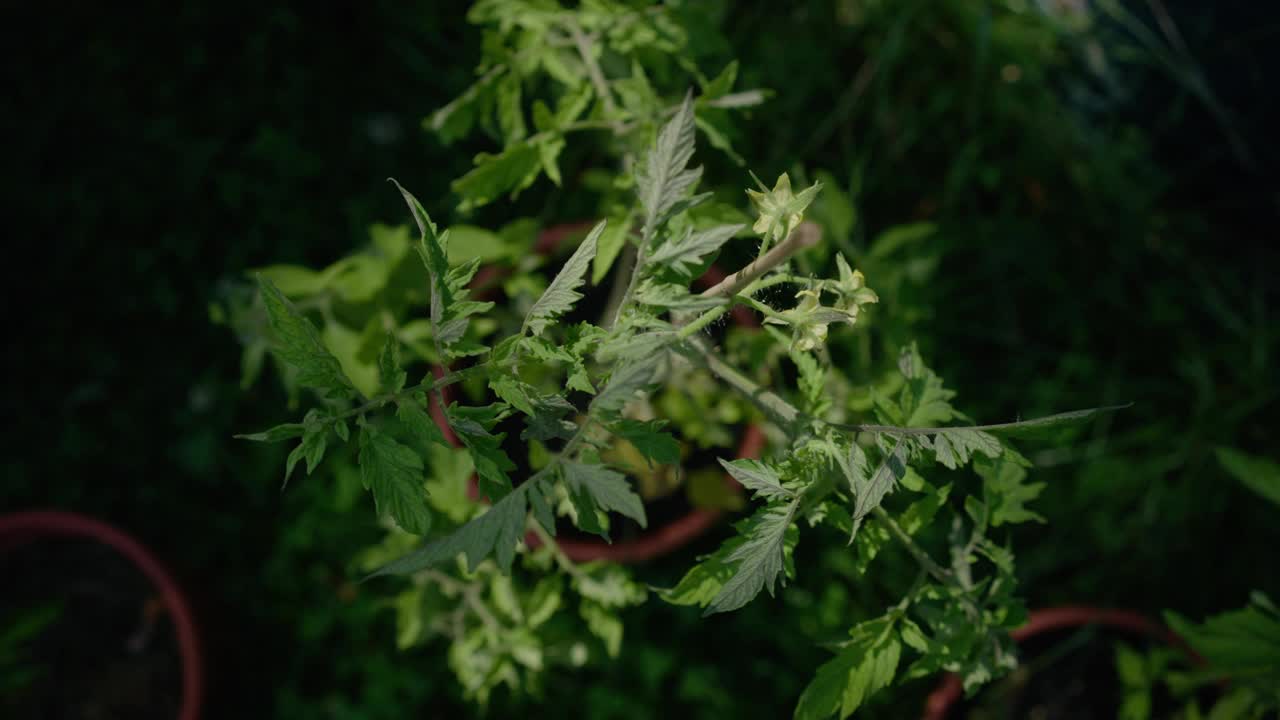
<point x="97" y="619"/>
<point x="689" y="519"/>
<point x="549" y="388"/>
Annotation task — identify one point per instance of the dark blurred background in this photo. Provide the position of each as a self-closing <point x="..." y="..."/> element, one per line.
<point x="1103" y="236"/>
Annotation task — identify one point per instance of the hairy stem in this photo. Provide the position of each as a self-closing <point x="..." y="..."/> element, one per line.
<point x="557" y="552"/>
<point x="470" y="593"/>
<point x="618" y="293"/>
<point x="805" y="235"/>
<point x="593" y="68"/>
<point x="922" y="557"/>
<point x="1019" y="424"/>
<point x="428" y="385"/>
<point x="780" y="409"/>
<point x="748" y="281"/>
<point x="772" y="404"/>
<point x="630" y="292"/>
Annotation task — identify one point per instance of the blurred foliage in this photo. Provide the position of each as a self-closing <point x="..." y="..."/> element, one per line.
<point x="1095" y="187"/>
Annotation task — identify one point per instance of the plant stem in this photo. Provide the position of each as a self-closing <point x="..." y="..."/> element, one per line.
<point x="617" y="293"/>
<point x="748" y="281"/>
<point x="923" y="558"/>
<point x="593" y="68"/>
<point x="425" y="385"/>
<point x="1019" y="424"/>
<point x="771" y="403"/>
<point x="805" y="235"/>
<point x="470" y="593"/>
<point x="557" y="552"/>
<point x="635" y="280"/>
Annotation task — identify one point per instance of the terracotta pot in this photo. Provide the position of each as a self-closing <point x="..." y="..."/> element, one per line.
<point x="947" y="695"/>
<point x="656" y="541"/>
<point x="26" y="527"/>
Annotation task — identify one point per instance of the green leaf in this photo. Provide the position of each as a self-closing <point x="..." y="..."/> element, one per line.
<point x="899" y="236"/>
<point x="449" y="482"/>
<point x="433" y="248"/>
<point x="715" y="124"/>
<point x="393" y="472"/>
<point x="662" y="180"/>
<point x="869" y="490"/>
<point x="1259" y="474"/>
<point x="562" y="293"/>
<point x="611" y="243"/>
<point x="604" y="624"/>
<point x="543" y="602"/>
<point x="409" y="611"/>
<point x="812" y="381"/>
<point x="492" y="463"/>
<point x="276" y="434"/>
<point x="510" y="114"/>
<point x="924" y="400"/>
<point x="1243" y="645"/>
<point x="513" y="391"/>
<point x="540" y="504"/>
<point x="298" y="345"/>
<point x="758" y="478"/>
<point x="421" y="427"/>
<point x="545" y="350"/>
<point x="1049" y="423"/>
<point x="314" y="439"/>
<point x="579" y="380"/>
<point x="391" y="376"/>
<point x="722" y="84"/>
<point x="495" y="532"/>
<point x="685" y="254"/>
<point x="759" y="559"/>
<point x="547" y="420"/>
<point x="572" y="104"/>
<point x="352" y="349"/>
<point x="511" y="171"/>
<point x="702" y="583"/>
<point x="670" y="296"/>
<point x="593" y="487"/>
<point x="455" y="120"/>
<point x="624" y="383"/>
<point x="608" y="584"/>
<point x="862" y="668"/>
<point x="649" y="438"/>
<point x="548" y="152"/>
<point x="469" y="242"/>
<point x="1007" y="493"/>
<point x="875" y="536"/>
<point x="953" y="448"/>
<point x="293" y="280"/>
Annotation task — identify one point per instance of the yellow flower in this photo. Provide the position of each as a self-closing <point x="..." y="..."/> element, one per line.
<point x="780" y="210"/>
<point x="852" y="288"/>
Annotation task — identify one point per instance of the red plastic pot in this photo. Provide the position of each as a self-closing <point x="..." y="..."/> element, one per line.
<point x="948" y="693"/>
<point x="657" y="541"/>
<point x="25" y="527"/>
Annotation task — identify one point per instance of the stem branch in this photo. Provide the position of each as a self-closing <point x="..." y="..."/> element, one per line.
<point x="805" y="235"/>
<point x="593" y="68"/>
<point x="923" y="558"/>
<point x="561" y="558"/>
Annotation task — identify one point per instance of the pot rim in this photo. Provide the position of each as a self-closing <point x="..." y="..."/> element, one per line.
<point x="34" y="525"/>
<point x="1045" y="620"/>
